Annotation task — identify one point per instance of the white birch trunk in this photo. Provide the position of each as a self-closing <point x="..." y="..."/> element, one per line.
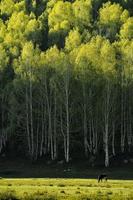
<point x="85" y="121"/>
<point x="67" y="124"/>
<point x="55" y="126"/>
<point x="63" y="134"/>
<point x="42" y="129"/>
<point x="106" y="121"/>
<point x="27" y="122"/>
<point x="31" y="114"/>
<point x="113" y="139"/>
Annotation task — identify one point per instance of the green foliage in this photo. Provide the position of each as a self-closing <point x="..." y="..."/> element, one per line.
<point x="111" y="14"/>
<point x="111" y="17"/>
<point x="7" y="7"/>
<point x="73" y="40"/>
<point x="60" y="21"/>
<point x="126" y="31"/>
<point x="4" y="59"/>
<point x="60" y="16"/>
<point x="82" y="13"/>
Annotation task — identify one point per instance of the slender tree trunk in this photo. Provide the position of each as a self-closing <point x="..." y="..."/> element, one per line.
<point x="55" y="126"/>
<point x="67" y="124"/>
<point x="50" y="136"/>
<point x="106" y="146"/>
<point x="42" y="128"/>
<point x="106" y="121"/>
<point x="31" y="117"/>
<point x="27" y="121"/>
<point x="37" y="141"/>
<point x="113" y="139"/>
<point x="45" y="149"/>
<point x="94" y="135"/>
<point x="63" y="134"/>
<point x="123" y="114"/>
<point x="85" y="121"/>
<point x="129" y="131"/>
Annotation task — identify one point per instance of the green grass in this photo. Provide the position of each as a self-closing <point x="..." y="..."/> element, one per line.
<point x="65" y="189"/>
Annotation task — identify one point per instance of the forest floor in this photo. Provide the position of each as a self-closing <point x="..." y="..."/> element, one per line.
<point x="19" y="168"/>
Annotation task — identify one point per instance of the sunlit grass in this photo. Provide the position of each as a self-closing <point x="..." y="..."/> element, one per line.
<point x="65" y="189"/>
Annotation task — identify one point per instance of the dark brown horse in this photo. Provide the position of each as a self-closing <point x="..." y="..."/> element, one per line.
<point x="101" y="177"/>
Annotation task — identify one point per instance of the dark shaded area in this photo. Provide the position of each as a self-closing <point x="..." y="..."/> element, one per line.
<point x="24" y="169"/>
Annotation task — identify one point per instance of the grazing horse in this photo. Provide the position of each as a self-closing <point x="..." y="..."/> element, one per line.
<point x="101" y="177"/>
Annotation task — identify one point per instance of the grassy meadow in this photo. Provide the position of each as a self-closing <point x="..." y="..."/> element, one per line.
<point x="65" y="189"/>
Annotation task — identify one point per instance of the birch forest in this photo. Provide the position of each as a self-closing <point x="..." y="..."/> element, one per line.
<point x="66" y="79"/>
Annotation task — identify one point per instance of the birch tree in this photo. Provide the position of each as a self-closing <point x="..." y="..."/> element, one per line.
<point x="108" y="67"/>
